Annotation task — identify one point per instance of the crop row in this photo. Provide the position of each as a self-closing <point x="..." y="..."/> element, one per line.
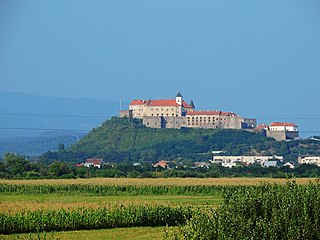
<point x="130" y="190"/>
<point x="90" y="218"/>
<point x="264" y="212"/>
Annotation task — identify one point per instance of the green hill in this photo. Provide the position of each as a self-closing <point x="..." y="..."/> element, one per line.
<point x="120" y="138"/>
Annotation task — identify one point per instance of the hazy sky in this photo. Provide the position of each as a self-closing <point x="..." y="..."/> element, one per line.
<point x="257" y="58"/>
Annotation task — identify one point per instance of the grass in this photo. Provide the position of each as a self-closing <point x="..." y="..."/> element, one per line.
<point x="159" y="181"/>
<point x="136" y="233"/>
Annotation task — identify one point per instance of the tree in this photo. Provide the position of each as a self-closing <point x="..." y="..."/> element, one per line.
<point x="61" y="147"/>
<point x="15" y="164"/>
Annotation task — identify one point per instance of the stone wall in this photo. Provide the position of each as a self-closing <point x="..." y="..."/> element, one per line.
<point x="154" y="122"/>
<point x="282" y="135"/>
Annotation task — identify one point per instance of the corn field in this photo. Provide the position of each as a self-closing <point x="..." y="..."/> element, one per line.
<point x="90" y="218"/>
<point x="265" y="212"/>
<point x="104" y="190"/>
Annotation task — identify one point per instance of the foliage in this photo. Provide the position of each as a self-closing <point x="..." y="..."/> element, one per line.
<point x="91" y="218"/>
<point x="264" y="212"/>
<point x="120" y="139"/>
<point x="114" y="190"/>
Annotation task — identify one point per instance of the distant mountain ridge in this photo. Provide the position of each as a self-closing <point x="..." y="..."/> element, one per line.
<point x="35" y="146"/>
<point x="19" y="110"/>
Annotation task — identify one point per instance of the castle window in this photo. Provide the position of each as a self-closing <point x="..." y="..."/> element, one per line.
<point x="152" y="114"/>
<point x="172" y="114"/>
<point x="157" y="114"/>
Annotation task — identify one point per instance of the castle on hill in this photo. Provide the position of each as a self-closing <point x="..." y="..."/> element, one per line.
<point x="176" y="113"/>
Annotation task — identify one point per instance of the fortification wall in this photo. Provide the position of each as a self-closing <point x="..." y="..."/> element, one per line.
<point x="153" y="121"/>
<point x="277" y="135"/>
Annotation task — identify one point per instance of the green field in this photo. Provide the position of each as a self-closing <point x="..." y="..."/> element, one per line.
<point x="141" y="208"/>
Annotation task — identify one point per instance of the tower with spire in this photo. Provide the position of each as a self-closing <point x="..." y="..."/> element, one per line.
<point x="179" y="98"/>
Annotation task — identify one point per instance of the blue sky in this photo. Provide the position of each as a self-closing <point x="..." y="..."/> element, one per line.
<point x="257" y="58"/>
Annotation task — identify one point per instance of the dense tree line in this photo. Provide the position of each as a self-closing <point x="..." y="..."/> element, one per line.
<point x="17" y="167"/>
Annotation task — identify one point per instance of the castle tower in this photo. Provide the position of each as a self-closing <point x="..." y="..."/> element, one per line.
<point x="179" y="98"/>
<point x="192" y="104"/>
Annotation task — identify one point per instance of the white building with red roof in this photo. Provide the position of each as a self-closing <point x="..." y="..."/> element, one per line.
<point x="165" y="107"/>
<point x="280" y="130"/>
<point x="283" y="126"/>
<point x="176" y="113"/>
<point x="94" y="162"/>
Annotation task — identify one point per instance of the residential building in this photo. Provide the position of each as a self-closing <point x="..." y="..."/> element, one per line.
<point x="232" y="161"/>
<point x="309" y="160"/>
<point x="279" y="130"/>
<point x="161" y="163"/>
<point x="94" y="162"/>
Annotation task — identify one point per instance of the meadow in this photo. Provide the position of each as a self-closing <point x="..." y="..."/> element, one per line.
<point x="108" y="208"/>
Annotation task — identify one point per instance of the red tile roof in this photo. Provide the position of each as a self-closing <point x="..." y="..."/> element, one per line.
<point x="261" y="126"/>
<point x="186" y="105"/>
<point x="160" y="103"/>
<point x="228" y="114"/>
<point x="137" y="102"/>
<point x="161" y="163"/>
<point x="284" y="124"/>
<point x="204" y="113"/>
<point x="216" y="112"/>
<point x="164" y="103"/>
<point x="95" y="161"/>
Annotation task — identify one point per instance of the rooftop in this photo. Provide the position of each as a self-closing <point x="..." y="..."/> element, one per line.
<point x="284" y="124"/>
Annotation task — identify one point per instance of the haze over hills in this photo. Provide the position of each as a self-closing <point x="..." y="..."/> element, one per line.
<point x="22" y="111"/>
<point x="25" y="120"/>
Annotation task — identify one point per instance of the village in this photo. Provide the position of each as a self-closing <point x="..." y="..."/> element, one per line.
<point x="224" y="161"/>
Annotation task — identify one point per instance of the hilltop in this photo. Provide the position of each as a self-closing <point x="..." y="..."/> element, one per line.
<point x="123" y="139"/>
<point x="120" y="139"/>
<point x="130" y="139"/>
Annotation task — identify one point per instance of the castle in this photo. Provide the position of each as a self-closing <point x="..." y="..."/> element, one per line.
<point x="176" y="113"/>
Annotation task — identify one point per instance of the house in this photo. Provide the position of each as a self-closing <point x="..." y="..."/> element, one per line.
<point x="309" y="160"/>
<point x="279" y="130"/>
<point x="201" y="165"/>
<point x="161" y="163"/>
<point x="270" y="163"/>
<point x="289" y="165"/>
<point x="95" y="162"/>
<point x="231" y="161"/>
